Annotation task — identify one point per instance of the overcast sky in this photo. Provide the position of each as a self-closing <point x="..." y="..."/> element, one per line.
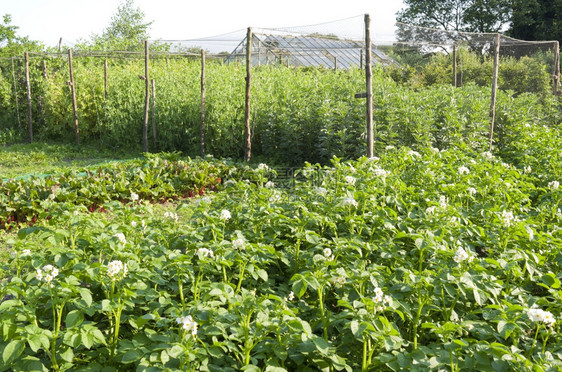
<point x="49" y="20"/>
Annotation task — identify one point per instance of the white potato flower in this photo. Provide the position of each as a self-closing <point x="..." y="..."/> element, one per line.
<point x="350" y="179"/>
<point x="117" y="269"/>
<point x="350" y="201"/>
<point x="539" y="315"/>
<point x="205" y="252"/>
<point x="121" y="238"/>
<point x="463" y="170"/>
<point x="225" y="215"/>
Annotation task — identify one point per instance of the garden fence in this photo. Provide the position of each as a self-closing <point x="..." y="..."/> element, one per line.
<point x="196" y="96"/>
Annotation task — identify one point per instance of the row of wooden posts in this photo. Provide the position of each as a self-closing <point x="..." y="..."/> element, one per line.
<point x="150" y="89"/>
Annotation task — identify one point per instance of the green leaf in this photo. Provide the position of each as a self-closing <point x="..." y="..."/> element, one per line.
<point x="175" y="351"/>
<point x="551" y="280"/>
<point x="98" y="336"/>
<point x="87" y="339"/>
<point x="322" y="345"/>
<point x="216" y="352"/>
<point x="12" y="351"/>
<point x="131" y="356"/>
<point x="67" y="355"/>
<point x="262" y="274"/>
<point x="312" y="237"/>
<point x="250" y="368"/>
<point x="106" y="305"/>
<point x="477" y="297"/>
<point x="74" y="318"/>
<point x="86" y="296"/>
<point x="275" y="369"/>
<point x="164" y="357"/>
<point x="38" y="341"/>
<point x="358" y="328"/>
<point x="299" y="287"/>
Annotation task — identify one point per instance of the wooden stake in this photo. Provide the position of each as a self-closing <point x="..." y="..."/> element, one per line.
<point x="335" y="63"/>
<point x="105" y="68"/>
<point x="455" y="65"/>
<point x="202" y="128"/>
<point x="45" y="70"/>
<point x="494" y="89"/>
<point x="556" y="72"/>
<point x="147" y="99"/>
<point x="369" y="84"/>
<point x="28" y="87"/>
<point x="73" y="90"/>
<point x="247" y="132"/>
<point x="154" y="137"/>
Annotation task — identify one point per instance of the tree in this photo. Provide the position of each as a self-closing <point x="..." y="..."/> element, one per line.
<point x="537" y="20"/>
<point x="11" y="44"/>
<point x="126" y="31"/>
<point x="456" y="15"/>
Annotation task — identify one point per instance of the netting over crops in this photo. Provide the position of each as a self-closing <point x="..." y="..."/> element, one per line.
<point x="471" y="55"/>
<point x="287" y="102"/>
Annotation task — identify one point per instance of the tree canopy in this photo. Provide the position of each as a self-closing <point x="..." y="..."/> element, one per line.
<point x="12" y="44"/>
<point x="456" y="15"/>
<point x="522" y="19"/>
<point x="126" y="31"/>
<point x="537" y="20"/>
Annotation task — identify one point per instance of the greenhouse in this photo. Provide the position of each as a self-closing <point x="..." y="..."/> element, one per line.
<point x="311" y="50"/>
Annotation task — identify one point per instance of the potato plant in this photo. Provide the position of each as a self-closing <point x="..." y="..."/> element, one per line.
<point x="422" y="259"/>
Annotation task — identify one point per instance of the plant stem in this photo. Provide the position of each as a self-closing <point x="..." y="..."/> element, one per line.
<point x="364" y="364"/>
<point x="180" y="288"/>
<point x="225" y="278"/>
<point x="322" y="314"/>
<point x="241" y="276"/>
<point x="117" y="316"/>
<point x="54" y="341"/>
<point x="416" y="321"/>
<point x="196" y="288"/>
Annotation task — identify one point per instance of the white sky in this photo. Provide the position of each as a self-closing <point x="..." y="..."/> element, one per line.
<point x="49" y="20"/>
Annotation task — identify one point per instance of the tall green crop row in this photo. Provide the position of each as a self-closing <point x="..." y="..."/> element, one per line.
<point x="297" y="113"/>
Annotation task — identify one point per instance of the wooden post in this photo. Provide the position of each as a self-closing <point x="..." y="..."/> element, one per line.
<point x="247" y="132"/>
<point x="335" y="63"/>
<point x="369" y="84"/>
<point x="28" y="88"/>
<point x="16" y="94"/>
<point x="147" y="99"/>
<point x="73" y="90"/>
<point x="105" y="68"/>
<point x="60" y="44"/>
<point x="455" y="65"/>
<point x="494" y="89"/>
<point x="556" y="72"/>
<point x="154" y="137"/>
<point x="202" y="128"/>
<point x="45" y="70"/>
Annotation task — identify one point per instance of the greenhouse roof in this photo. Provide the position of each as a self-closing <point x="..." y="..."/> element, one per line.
<point x="313" y="51"/>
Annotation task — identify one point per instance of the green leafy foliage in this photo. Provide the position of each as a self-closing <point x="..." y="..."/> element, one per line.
<point x="297" y="115"/>
<point x="422" y="259"/>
